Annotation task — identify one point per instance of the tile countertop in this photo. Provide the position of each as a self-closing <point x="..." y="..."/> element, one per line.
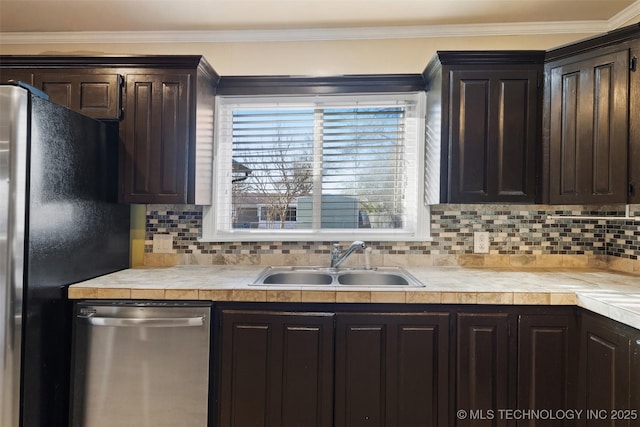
<point x="612" y="294"/>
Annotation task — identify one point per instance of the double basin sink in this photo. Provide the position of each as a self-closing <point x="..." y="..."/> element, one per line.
<point x="324" y="276"/>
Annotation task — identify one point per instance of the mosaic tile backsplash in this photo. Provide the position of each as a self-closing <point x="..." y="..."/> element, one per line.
<point x="515" y="230"/>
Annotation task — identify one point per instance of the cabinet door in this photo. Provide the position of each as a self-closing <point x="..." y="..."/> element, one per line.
<point x="547" y="369"/>
<point x="96" y="95"/>
<point x="276" y="369"/>
<point x="16" y="74"/>
<point x="157" y="135"/>
<point x="392" y="369"/>
<point x="604" y="370"/>
<point x="634" y="128"/>
<point x="588" y="122"/>
<point x="493" y="133"/>
<point x="484" y="368"/>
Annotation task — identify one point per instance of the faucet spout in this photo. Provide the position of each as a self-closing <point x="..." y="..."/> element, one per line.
<point x="337" y="258"/>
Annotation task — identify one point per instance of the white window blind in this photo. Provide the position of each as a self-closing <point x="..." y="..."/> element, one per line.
<point x="326" y="165"/>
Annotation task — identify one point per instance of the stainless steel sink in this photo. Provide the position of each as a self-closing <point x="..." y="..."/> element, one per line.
<point x="372" y="278"/>
<point x="323" y="276"/>
<point x="297" y="277"/>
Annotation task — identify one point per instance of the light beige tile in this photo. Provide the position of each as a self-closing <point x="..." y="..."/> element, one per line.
<point x="599" y="261"/>
<point x="215" y="294"/>
<point x="471" y="260"/>
<point x="291" y="295"/>
<point x="621" y="264"/>
<point x="197" y="259"/>
<point x="440" y="260"/>
<point x="531" y="298"/>
<point x="181" y="294"/>
<point x="251" y="295"/>
<point x="317" y="296"/>
<point x="575" y="261"/>
<point x="495" y="298"/>
<point x="248" y="259"/>
<point x="496" y="261"/>
<point x="548" y="261"/>
<point x="568" y="298"/>
<point x="80" y="293"/>
<point x="448" y="298"/>
<point x="162" y="260"/>
<point x="423" y="297"/>
<point x="144" y="293"/>
<point x="353" y="296"/>
<point x="114" y="293"/>
<point x="522" y="260"/>
<point x="466" y="298"/>
<point x="388" y="296"/>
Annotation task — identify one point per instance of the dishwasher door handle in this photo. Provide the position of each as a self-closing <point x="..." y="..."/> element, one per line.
<point x="149" y="322"/>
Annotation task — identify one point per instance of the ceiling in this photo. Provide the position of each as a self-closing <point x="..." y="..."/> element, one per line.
<point x="372" y="16"/>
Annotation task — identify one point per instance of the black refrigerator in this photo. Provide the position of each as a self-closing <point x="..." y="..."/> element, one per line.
<point x="60" y="223"/>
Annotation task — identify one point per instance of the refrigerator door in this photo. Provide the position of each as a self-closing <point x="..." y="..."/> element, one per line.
<point x="13" y="177"/>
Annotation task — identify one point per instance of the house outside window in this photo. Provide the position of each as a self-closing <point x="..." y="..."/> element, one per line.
<point x="329" y="167"/>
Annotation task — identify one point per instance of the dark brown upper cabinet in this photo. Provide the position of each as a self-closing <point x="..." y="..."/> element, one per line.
<point x="590" y="121"/>
<point x="164" y="105"/>
<point x="483" y="112"/>
<point x="634" y="125"/>
<point x="155" y="135"/>
<point x="95" y="94"/>
<point x="14" y="75"/>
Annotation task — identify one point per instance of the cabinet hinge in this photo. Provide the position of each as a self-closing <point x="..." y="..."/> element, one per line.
<point x="633" y="64"/>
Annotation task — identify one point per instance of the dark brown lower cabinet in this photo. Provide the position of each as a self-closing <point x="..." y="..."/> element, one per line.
<point x="547" y="368"/>
<point x="276" y="369"/>
<point x="392" y="369"/>
<point x="484" y="368"/>
<point x="438" y="366"/>
<point x="609" y="372"/>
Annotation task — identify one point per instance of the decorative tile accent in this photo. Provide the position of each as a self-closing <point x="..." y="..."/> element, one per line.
<point x="522" y="235"/>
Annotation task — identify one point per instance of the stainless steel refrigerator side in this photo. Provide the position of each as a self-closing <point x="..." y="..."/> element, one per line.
<point x="13" y="177"/>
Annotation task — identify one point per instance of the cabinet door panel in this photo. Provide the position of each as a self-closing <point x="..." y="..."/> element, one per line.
<point x="483" y="366"/>
<point x="493" y="134"/>
<point x="547" y="369"/>
<point x="514" y="143"/>
<point x="276" y="369"/>
<point x="421" y="372"/>
<point x="588" y="130"/>
<point x="92" y="94"/>
<point x="307" y="375"/>
<point x="392" y="369"/>
<point x="360" y="378"/>
<point x="16" y="74"/>
<point x="605" y="369"/>
<point x="634" y="129"/>
<point x="156" y="135"/>
<point x="470" y="136"/>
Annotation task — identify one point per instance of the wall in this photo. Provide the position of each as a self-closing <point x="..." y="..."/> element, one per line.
<point x="310" y="57"/>
<point x="521" y="236"/>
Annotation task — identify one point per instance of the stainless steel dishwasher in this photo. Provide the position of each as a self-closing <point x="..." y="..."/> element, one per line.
<point x="140" y="364"/>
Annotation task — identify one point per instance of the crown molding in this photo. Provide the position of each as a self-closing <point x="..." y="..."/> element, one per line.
<point x="324" y="34"/>
<point x="624" y="16"/>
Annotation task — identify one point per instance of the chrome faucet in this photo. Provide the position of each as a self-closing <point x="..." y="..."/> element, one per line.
<point x="337" y="258"/>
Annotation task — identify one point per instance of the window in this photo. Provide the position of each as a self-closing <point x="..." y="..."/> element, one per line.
<point x="318" y="167"/>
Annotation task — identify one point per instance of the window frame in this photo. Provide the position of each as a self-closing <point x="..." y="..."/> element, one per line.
<point x="262" y="87"/>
